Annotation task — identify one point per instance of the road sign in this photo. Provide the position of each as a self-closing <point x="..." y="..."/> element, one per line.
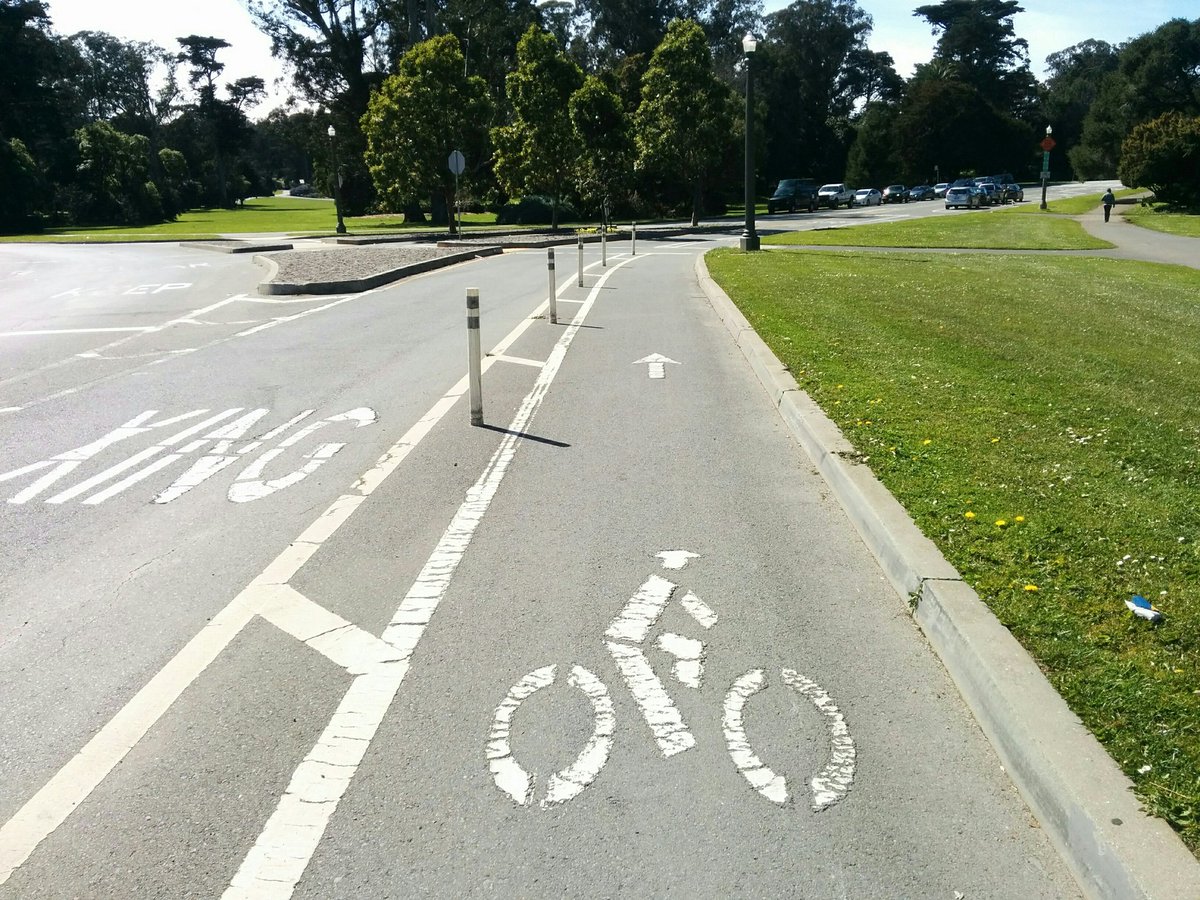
<point x="1048" y="143"/>
<point x="456" y="162"/>
<point x="1046" y="162"/>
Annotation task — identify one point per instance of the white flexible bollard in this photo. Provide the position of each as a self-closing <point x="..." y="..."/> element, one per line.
<point x="553" y="292"/>
<point x="474" y="358"/>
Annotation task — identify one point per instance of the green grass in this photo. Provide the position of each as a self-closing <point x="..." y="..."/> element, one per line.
<point x="1069" y="206"/>
<point x="1159" y="218"/>
<point x="284" y="215"/>
<point x="1030" y="413"/>
<point x="965" y="230"/>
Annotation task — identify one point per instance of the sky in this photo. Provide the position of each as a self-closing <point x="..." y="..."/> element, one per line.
<point x="1048" y="26"/>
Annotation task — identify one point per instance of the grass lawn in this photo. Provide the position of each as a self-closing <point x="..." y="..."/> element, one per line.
<point x="967" y="230"/>
<point x="1030" y="412"/>
<point x="1157" y="217"/>
<point x="285" y="215"/>
<point x="1069" y="206"/>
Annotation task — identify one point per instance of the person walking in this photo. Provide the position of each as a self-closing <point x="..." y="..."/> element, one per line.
<point x="1109" y="201"/>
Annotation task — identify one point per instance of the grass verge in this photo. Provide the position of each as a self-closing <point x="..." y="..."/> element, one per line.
<point x="971" y="231"/>
<point x="1027" y="412"/>
<point x="1157" y="217"/>
<point x="1068" y="206"/>
<point x="283" y="215"/>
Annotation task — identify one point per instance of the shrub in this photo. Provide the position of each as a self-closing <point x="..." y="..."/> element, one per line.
<point x="535" y="210"/>
<point x="1164" y="156"/>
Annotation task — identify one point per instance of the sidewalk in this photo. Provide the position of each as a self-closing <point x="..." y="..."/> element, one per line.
<point x="1135" y="242"/>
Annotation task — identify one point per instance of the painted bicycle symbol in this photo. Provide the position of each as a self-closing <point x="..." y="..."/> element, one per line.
<point x="624" y="639"/>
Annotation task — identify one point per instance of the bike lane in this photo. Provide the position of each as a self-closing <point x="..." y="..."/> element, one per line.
<point x="666" y="664"/>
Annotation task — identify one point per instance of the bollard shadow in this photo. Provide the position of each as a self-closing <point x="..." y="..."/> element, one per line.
<point x="523" y="435"/>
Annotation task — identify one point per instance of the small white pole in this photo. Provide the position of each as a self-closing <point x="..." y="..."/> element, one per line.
<point x="550" y="269"/>
<point x="474" y="357"/>
<point x="633" y="240"/>
<point x="581" y="260"/>
<point x="604" y="245"/>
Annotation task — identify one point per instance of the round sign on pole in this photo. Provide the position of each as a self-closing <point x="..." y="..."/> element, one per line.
<point x="1048" y="143"/>
<point x="456" y="162"/>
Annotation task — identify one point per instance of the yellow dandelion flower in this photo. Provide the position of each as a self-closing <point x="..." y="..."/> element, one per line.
<point x="1000" y="523"/>
<point x="995" y="440"/>
<point x="968" y="515"/>
<point x="1031" y="588"/>
<point x="1018" y="518"/>
<point x="927" y="442"/>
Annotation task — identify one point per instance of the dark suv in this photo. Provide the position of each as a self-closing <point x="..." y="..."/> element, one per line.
<point x="793" y="194"/>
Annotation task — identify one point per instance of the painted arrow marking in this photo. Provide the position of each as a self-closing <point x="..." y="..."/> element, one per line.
<point x="656" y="365"/>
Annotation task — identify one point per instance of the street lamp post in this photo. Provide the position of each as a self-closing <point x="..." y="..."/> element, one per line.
<point x="749" y="239"/>
<point x="1047" y="144"/>
<point x="337" y="181"/>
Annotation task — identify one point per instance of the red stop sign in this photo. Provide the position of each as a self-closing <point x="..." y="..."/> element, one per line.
<point x="1047" y="143"/>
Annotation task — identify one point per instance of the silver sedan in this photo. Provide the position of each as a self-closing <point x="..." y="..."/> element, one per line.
<point x="867" y="197"/>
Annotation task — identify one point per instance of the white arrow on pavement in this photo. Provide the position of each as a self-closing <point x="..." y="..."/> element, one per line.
<point x="656" y="365"/>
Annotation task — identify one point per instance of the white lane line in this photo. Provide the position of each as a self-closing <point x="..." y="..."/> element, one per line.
<point x="537" y="364"/>
<point x="290" y="837"/>
<point x="4" y="409"/>
<point x="292" y="318"/>
<point x="71" y="785"/>
<point x="138" y="329"/>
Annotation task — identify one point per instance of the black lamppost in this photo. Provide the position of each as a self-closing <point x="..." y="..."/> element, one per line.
<point x="1046" y="145"/>
<point x="749" y="239"/>
<point x="337" y="181"/>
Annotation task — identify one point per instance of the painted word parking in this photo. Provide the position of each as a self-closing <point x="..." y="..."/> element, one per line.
<point x="625" y="637"/>
<point x="217" y="440"/>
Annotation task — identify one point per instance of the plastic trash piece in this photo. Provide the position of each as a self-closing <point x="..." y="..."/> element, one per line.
<point x="1142" y="607"/>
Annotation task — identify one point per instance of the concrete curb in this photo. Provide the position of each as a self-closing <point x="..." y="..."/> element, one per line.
<point x="235" y="246"/>
<point x="270" y="287"/>
<point x="1081" y="798"/>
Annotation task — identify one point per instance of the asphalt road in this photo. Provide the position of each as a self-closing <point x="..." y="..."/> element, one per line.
<point x="317" y="636"/>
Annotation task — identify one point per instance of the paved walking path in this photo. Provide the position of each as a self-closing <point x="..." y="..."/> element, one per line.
<point x="1135" y="242"/>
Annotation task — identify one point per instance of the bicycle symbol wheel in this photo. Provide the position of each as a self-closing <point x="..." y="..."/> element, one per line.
<point x="563" y="785"/>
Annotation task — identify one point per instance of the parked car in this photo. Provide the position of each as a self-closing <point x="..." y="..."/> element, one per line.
<point x="895" y="193"/>
<point x="793" y="194"/>
<point x="835" y="195"/>
<point x="939" y="189"/>
<point x="991" y="193"/>
<point x="867" y="197"/>
<point x="1013" y="192"/>
<point x="963" y="195"/>
<point x="920" y="192"/>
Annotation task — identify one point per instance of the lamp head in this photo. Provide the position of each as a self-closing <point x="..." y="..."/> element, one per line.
<point x="749" y="43"/>
<point x="1049" y="130"/>
<point x="331" y="132"/>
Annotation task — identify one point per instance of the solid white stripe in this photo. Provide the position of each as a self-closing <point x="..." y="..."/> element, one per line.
<point x="282" y="852"/>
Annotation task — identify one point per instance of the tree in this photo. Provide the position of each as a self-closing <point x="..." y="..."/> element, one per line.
<point x="23" y="199"/>
<point x="686" y="118"/>
<point x="602" y="128"/>
<point x="978" y="39"/>
<point x="1157" y="73"/>
<point x="811" y="78"/>
<point x="874" y="157"/>
<point x="949" y="124"/>
<point x="417" y="117"/>
<point x="1164" y="155"/>
<point x="1075" y="76"/>
<point x="114" y="183"/>
<point x="39" y="105"/>
<point x="537" y="152"/>
<point x="338" y="52"/>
